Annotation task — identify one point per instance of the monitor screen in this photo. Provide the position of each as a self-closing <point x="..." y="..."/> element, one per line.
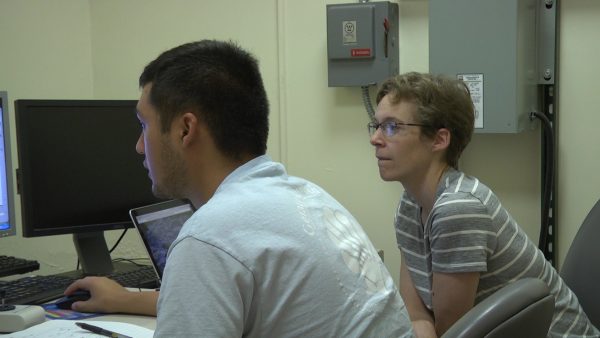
<point x="78" y="169"/>
<point x="7" y="223"/>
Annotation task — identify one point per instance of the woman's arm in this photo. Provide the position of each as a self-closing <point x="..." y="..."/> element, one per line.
<point x="453" y="295"/>
<point x="420" y="316"/>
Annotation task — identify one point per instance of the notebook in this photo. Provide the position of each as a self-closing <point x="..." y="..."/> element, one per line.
<point x="158" y="225"/>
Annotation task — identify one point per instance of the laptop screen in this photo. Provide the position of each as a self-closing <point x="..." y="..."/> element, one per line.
<point x="158" y="226"/>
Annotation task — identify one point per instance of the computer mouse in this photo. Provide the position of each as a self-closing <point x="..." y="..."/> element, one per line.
<point x="66" y="302"/>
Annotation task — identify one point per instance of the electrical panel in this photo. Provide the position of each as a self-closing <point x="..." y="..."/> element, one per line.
<point x="491" y="45"/>
<point x="362" y="43"/>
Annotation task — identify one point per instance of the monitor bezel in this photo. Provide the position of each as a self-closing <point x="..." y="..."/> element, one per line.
<point x="24" y="189"/>
<point x="10" y="195"/>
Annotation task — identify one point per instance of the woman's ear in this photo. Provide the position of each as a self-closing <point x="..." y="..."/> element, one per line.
<point x="441" y="140"/>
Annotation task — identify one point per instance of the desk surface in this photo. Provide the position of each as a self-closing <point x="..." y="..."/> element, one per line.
<point x="148" y="322"/>
<point x="143" y="321"/>
<point x="58" y="331"/>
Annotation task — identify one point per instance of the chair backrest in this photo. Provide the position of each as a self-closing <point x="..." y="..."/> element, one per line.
<point x="581" y="268"/>
<point x="520" y="309"/>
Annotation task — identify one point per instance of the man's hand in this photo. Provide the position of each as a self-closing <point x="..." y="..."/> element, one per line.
<point x="108" y="296"/>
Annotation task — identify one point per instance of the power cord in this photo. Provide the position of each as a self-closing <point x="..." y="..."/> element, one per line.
<point x="118" y="240"/>
<point x="548" y="178"/>
<point x="367" y="102"/>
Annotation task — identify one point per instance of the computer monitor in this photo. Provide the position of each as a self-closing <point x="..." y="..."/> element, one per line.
<point x="79" y="172"/>
<point x="7" y="215"/>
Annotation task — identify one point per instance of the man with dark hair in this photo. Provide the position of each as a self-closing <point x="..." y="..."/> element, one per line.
<point x="266" y="254"/>
<point x="458" y="244"/>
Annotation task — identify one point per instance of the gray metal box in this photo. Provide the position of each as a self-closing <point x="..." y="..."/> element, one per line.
<point x="362" y="43"/>
<point x="492" y="45"/>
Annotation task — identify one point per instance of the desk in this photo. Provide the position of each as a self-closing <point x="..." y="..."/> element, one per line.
<point x="143" y="321"/>
<point x="136" y="326"/>
<point x="147" y="322"/>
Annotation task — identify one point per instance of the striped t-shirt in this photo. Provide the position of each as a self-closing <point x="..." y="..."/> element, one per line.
<point x="468" y="230"/>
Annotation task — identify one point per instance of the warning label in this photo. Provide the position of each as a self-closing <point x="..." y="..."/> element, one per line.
<point x="475" y="84"/>
<point x="360" y="52"/>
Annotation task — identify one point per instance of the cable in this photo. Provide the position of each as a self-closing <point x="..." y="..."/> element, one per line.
<point x="118" y="241"/>
<point x="132" y="260"/>
<point x="367" y="102"/>
<point x="548" y="179"/>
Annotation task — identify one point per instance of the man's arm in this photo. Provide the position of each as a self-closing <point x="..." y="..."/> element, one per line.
<point x="109" y="296"/>
<point x="205" y="292"/>
<point x="420" y="316"/>
<point x="453" y="295"/>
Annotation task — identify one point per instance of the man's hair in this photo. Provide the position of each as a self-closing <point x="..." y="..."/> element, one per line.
<point x="221" y="83"/>
<point x="441" y="102"/>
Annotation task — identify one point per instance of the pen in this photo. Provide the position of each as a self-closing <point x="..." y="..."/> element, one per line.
<point x="101" y="331"/>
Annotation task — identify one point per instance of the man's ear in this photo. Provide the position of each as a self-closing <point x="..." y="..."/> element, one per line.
<point x="188" y="128"/>
<point x="441" y="140"/>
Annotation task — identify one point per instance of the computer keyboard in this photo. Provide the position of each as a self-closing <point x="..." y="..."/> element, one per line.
<point x="41" y="289"/>
<point x="35" y="289"/>
<point x="143" y="277"/>
<point x="10" y="265"/>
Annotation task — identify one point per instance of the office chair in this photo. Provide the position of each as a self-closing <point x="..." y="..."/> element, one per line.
<point x="581" y="268"/>
<point x="521" y="309"/>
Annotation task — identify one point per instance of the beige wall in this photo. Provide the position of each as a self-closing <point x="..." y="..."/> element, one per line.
<point x="97" y="48"/>
<point x="579" y="116"/>
<point x="45" y="52"/>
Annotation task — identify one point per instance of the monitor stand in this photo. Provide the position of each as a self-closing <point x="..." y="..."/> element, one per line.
<point x="93" y="253"/>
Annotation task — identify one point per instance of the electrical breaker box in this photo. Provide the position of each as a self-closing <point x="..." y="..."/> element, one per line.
<point x="362" y="43"/>
<point x="491" y="45"/>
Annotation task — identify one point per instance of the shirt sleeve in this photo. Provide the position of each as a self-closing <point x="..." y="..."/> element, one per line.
<point x="462" y="236"/>
<point x="205" y="293"/>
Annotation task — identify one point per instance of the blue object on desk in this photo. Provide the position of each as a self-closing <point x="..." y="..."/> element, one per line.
<point x="53" y="312"/>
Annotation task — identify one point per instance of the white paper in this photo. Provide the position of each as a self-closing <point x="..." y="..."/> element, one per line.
<point x="67" y="329"/>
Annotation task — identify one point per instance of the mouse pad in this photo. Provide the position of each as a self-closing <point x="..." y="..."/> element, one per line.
<point x="52" y="312"/>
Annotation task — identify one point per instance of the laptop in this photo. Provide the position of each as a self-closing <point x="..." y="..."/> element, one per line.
<point x="158" y="226"/>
